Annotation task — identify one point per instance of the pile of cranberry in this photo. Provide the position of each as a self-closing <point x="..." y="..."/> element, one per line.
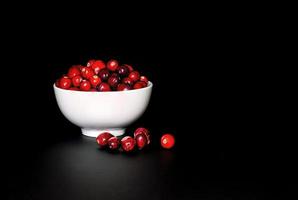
<point x="100" y="76"/>
<point x="127" y="143"/>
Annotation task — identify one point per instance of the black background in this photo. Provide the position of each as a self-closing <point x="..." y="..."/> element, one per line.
<point x="214" y="89"/>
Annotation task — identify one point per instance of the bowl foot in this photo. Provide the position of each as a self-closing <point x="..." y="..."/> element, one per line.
<point x="95" y="132"/>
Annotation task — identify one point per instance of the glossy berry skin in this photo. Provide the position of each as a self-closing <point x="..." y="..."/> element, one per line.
<point x="167" y="141"/>
<point x="139" y="85"/>
<point x="103" y="138"/>
<point x="76" y="80"/>
<point x="103" y="87"/>
<point x="87" y="72"/>
<point x="65" y="82"/>
<point x="144" y="79"/>
<point x="104" y="74"/>
<point x="134" y="76"/>
<point x="128" y="143"/>
<point x="114" y="80"/>
<point x="94" y="80"/>
<point x="85" y="85"/>
<point x="98" y="65"/>
<point x="74" y="89"/>
<point x="122" y="87"/>
<point x="129" y="67"/>
<point x="122" y="71"/>
<point x="90" y="62"/>
<point x="112" y="65"/>
<point x="143" y="131"/>
<point x="113" y="143"/>
<point x="73" y="71"/>
<point x="141" y="141"/>
<point x="127" y="81"/>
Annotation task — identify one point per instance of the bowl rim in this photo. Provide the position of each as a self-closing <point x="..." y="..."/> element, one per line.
<point x="150" y="85"/>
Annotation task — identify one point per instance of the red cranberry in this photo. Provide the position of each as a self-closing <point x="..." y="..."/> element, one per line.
<point x="57" y="83"/>
<point x="113" y="143"/>
<point x="98" y="65"/>
<point x="127" y="81"/>
<point x="92" y="90"/>
<point x="122" y="71"/>
<point x="73" y="71"/>
<point x="65" y="82"/>
<point x="74" y="88"/>
<point x="130" y="69"/>
<point x="85" y="85"/>
<point x="90" y="62"/>
<point x="141" y="140"/>
<point x="144" y="79"/>
<point x="112" y="65"/>
<point x="139" y="85"/>
<point x="114" y="80"/>
<point x="87" y="72"/>
<point x="134" y="76"/>
<point x="123" y="87"/>
<point x="143" y="131"/>
<point x="102" y="139"/>
<point x="128" y="143"/>
<point x="103" y="87"/>
<point x="94" y="80"/>
<point x="167" y="141"/>
<point x="76" y="80"/>
<point x="104" y="74"/>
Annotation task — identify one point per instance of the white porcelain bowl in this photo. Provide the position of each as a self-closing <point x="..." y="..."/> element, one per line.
<point x="96" y="112"/>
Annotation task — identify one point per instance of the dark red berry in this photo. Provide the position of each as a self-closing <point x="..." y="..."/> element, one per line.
<point x="143" y="131"/>
<point x="74" y="88"/>
<point x="122" y="71"/>
<point x="128" y="143"/>
<point x="57" y="83"/>
<point x="94" y="80"/>
<point x="127" y="81"/>
<point x="144" y="79"/>
<point x="134" y="76"/>
<point x="141" y="140"/>
<point x="92" y="90"/>
<point x="113" y="143"/>
<point x="85" y="85"/>
<point x="102" y="139"/>
<point x="87" y="72"/>
<point x="76" y="80"/>
<point x="104" y="74"/>
<point x="103" y="87"/>
<point x="123" y="87"/>
<point x="73" y="71"/>
<point x="90" y="62"/>
<point x="112" y="65"/>
<point x="98" y="65"/>
<point x="139" y="85"/>
<point x="167" y="141"/>
<point x="114" y="80"/>
<point x="65" y="82"/>
<point x="130" y="69"/>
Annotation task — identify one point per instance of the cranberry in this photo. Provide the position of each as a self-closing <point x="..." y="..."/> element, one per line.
<point x="85" y="85"/>
<point x="122" y="71"/>
<point x="128" y="143"/>
<point x="144" y="79"/>
<point x="127" y="81"/>
<point x="57" y="83"/>
<point x="167" y="141"/>
<point x="94" y="80"/>
<point x="65" y="82"/>
<point x="112" y="65"/>
<point x="141" y="140"/>
<point x="90" y="62"/>
<point x="134" y="76"/>
<point x="130" y="69"/>
<point x="76" y="80"/>
<point x="73" y="71"/>
<point x="104" y="74"/>
<point x="113" y="143"/>
<point x="92" y="90"/>
<point x="139" y="85"/>
<point x="98" y="65"/>
<point x="102" y="139"/>
<point x="103" y="87"/>
<point x="114" y="80"/>
<point x="123" y="87"/>
<point x="74" y="88"/>
<point x="143" y="131"/>
<point x="87" y="72"/>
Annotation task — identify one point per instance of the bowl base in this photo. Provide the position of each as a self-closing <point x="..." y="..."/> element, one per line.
<point x="95" y="132"/>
